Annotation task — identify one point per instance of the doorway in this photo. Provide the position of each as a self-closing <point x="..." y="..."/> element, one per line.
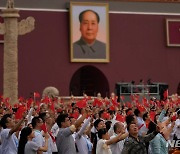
<point x="89" y="80"/>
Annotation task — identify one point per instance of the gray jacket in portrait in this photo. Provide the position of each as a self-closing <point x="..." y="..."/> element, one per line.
<point x="95" y="51"/>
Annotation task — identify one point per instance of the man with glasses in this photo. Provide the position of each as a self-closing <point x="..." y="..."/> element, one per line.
<point x="37" y="123"/>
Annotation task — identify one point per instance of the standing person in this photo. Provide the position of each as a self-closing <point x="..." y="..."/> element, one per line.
<point x="9" y="140"/>
<point x="104" y="142"/>
<point x="98" y="124"/>
<point x="88" y="46"/>
<point x="83" y="145"/>
<point x="37" y="125"/>
<point x="117" y="147"/>
<point x="26" y="145"/>
<point x="64" y="141"/>
<point x="140" y="122"/>
<point x="136" y="144"/>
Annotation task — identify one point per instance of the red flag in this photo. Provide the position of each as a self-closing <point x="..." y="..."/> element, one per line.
<point x="52" y="106"/>
<point x="145" y="102"/>
<point x="36" y="94"/>
<point x="97" y="102"/>
<point x="174" y="117"/>
<point x="128" y="104"/>
<point x="106" y="102"/>
<point x="82" y="103"/>
<point x="21" y="99"/>
<point x="112" y="108"/>
<point x="120" y="117"/>
<point x="29" y="102"/>
<point x="152" y="115"/>
<point x="165" y="94"/>
<point x="46" y="100"/>
<point x="141" y="108"/>
<point x="106" y="115"/>
<point x="20" y="111"/>
<point x="75" y="114"/>
<point x="44" y="128"/>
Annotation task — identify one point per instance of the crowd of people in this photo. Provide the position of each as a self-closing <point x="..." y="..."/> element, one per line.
<point x="90" y="125"/>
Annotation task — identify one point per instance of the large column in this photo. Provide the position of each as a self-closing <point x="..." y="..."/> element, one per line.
<point x="10" y="84"/>
<point x="11" y="28"/>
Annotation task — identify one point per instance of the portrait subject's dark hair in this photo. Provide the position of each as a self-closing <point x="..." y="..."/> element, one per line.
<point x="82" y="13"/>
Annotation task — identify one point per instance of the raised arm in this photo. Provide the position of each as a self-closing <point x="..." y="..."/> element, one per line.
<point x="81" y="131"/>
<point x="118" y="138"/>
<point x="16" y="127"/>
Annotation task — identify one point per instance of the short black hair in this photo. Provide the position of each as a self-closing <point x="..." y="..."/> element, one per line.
<point x="129" y="109"/>
<point x="108" y="124"/>
<point x="43" y="116"/>
<point x="4" y="120"/>
<point x="128" y="126"/>
<point x="61" y="118"/>
<point x="136" y="112"/>
<point x="82" y="13"/>
<point x="145" y="115"/>
<point x="100" y="113"/>
<point x="102" y="132"/>
<point x="129" y="119"/>
<point x="35" y="120"/>
<point x="97" y="122"/>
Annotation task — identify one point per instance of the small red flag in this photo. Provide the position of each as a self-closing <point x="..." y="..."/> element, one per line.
<point x="174" y="118"/>
<point x="29" y="102"/>
<point x="112" y="108"/>
<point x="21" y="99"/>
<point x="141" y="108"/>
<point x="152" y="115"/>
<point x="36" y="95"/>
<point x="97" y="102"/>
<point x="52" y="106"/>
<point x="82" y="103"/>
<point x="165" y="94"/>
<point x="120" y="117"/>
<point x="20" y="111"/>
<point x="75" y="114"/>
<point x="44" y="128"/>
<point x="106" y="115"/>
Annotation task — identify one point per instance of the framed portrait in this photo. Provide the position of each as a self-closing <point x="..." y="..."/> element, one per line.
<point x="89" y="32"/>
<point x="173" y="32"/>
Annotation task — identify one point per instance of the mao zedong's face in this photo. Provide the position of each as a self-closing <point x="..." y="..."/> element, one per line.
<point x="89" y="27"/>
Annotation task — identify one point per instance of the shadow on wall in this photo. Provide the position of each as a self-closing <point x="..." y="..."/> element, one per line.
<point x="89" y="80"/>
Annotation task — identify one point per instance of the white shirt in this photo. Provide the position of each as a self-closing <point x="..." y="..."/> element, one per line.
<point x="9" y="142"/>
<point x="102" y="147"/>
<point x="81" y="140"/>
<point x="55" y="130"/>
<point x="38" y="138"/>
<point x="141" y="126"/>
<point x="176" y="130"/>
<point x="116" y="148"/>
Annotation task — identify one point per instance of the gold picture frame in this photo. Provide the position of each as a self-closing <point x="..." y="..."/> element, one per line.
<point x="89" y="32"/>
<point x="172" y="32"/>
